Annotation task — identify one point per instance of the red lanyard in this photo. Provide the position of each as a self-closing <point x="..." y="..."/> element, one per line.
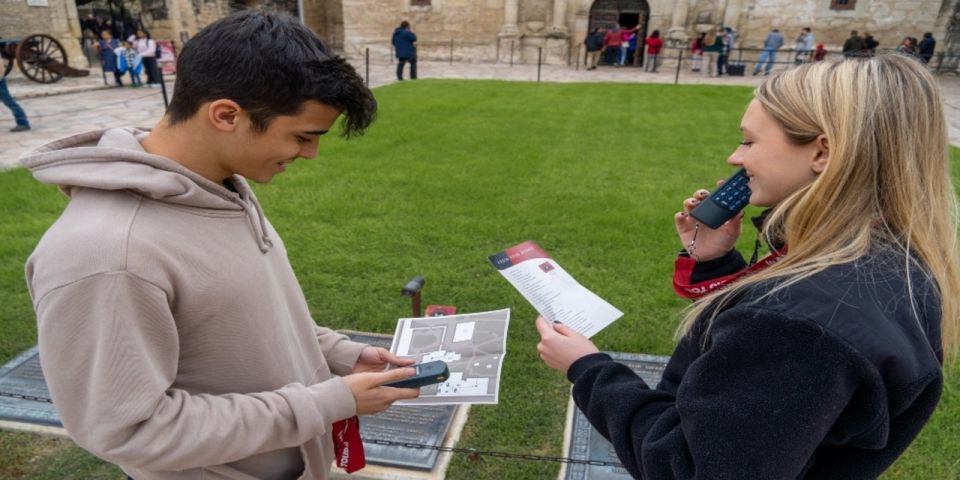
<point x="683" y="269"/>
<point x="347" y="445"/>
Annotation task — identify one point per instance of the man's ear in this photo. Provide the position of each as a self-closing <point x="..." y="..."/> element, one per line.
<point x="224" y="114"/>
<point x="821" y="154"/>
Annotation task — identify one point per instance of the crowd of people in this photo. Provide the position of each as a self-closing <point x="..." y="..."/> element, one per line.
<point x="124" y="48"/>
<point x="710" y="50"/>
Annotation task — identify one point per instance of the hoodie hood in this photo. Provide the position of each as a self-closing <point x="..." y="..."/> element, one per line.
<point x="114" y="159"/>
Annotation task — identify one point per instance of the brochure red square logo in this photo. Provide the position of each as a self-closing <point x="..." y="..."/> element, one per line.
<point x="546" y="267"/>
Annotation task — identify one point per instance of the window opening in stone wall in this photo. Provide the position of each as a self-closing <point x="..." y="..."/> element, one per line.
<point x="420" y="3"/>
<point x="843" y="4"/>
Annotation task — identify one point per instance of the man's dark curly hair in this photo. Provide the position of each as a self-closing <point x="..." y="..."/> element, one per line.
<point x="270" y="64"/>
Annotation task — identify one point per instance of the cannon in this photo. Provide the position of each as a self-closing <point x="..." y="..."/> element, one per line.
<point x="41" y="58"/>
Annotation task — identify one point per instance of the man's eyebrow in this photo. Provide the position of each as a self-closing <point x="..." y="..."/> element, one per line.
<point x="315" y="132"/>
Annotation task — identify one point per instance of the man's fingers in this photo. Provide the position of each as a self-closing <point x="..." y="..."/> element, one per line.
<point x="403" y="362"/>
<point x="564" y="330"/>
<point x="392" y="375"/>
<point x="543" y="327"/>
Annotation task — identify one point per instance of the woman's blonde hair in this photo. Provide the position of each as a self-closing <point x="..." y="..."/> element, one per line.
<point x="711" y="37"/>
<point x="887" y="178"/>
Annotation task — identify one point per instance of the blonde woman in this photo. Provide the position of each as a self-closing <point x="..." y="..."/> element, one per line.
<point x="827" y="362"/>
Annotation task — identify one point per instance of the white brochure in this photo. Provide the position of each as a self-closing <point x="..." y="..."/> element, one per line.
<point x="471" y="344"/>
<point x="552" y="291"/>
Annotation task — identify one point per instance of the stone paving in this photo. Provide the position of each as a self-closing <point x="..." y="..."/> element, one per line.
<point x="75" y="105"/>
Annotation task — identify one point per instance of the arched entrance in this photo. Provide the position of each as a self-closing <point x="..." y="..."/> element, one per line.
<point x="627" y="14"/>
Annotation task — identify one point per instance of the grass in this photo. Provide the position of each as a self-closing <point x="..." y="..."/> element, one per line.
<point x="452" y="172"/>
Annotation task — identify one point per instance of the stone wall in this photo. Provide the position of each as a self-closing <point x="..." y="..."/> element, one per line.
<point x="888" y="21"/>
<point x="58" y="19"/>
<point x="473" y="26"/>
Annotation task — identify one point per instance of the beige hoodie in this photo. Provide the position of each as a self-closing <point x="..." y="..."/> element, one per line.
<point x="173" y="334"/>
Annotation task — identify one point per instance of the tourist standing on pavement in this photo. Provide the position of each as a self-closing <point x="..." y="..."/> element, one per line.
<point x="854" y="45"/>
<point x="174" y="336"/>
<point x="696" y="53"/>
<point x="804" y="46"/>
<point x="771" y="44"/>
<point x="713" y="46"/>
<point x="129" y="60"/>
<point x="908" y="47"/>
<point x="108" y="59"/>
<point x="405" y="47"/>
<point x="825" y="359"/>
<point x="594" y="44"/>
<point x="626" y="37"/>
<point x="724" y="56"/>
<point x="18" y="114"/>
<point x="870" y="44"/>
<point x="820" y="53"/>
<point x="654" y="45"/>
<point x="611" y="45"/>
<point x="926" y="47"/>
<point x="148" y="51"/>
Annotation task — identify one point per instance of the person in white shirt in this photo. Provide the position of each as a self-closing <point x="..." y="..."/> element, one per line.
<point x="147" y="48"/>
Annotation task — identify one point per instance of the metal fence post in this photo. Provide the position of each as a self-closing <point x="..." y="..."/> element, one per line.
<point x="367" y="62"/>
<point x="676" y="78"/>
<point x="163" y="87"/>
<point x="539" y="61"/>
<point x="451" y="51"/>
<point x="579" y="56"/>
<point x="511" y="53"/>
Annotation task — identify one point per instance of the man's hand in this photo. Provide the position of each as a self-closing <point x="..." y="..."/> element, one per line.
<point x="560" y="346"/>
<point x="371" y="397"/>
<point x="376" y="359"/>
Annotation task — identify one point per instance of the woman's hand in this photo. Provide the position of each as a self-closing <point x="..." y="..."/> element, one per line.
<point x="560" y="346"/>
<point x="710" y="244"/>
<point x="376" y="359"/>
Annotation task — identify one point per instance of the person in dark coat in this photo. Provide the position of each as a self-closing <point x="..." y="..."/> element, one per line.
<point x="854" y="45"/>
<point x="824" y="359"/>
<point x="405" y="46"/>
<point x="594" y="44"/>
<point x="927" y="46"/>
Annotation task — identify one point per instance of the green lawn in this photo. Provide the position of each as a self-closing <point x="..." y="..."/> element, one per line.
<point x="452" y="172"/>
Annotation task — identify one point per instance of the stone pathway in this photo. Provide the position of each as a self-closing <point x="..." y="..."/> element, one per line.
<point x="75" y="105"/>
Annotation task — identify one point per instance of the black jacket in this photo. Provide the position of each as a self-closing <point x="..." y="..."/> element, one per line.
<point x="831" y="377"/>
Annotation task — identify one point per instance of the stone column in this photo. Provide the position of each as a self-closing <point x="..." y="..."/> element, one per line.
<point x="511" y="11"/>
<point x="678" y="25"/>
<point x="559" y="17"/>
<point x="732" y="16"/>
<point x="720" y="13"/>
<point x="510" y="48"/>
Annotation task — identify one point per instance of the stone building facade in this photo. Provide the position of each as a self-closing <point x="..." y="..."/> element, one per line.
<point x="519" y="30"/>
<point x="489" y="30"/>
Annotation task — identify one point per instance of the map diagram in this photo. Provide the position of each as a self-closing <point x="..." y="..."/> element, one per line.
<point x="473" y="345"/>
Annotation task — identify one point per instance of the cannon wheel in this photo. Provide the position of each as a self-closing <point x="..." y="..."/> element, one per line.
<point x="40" y="58"/>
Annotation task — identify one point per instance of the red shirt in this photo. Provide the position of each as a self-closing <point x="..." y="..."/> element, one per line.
<point x="654" y="45"/>
<point x="612" y="39"/>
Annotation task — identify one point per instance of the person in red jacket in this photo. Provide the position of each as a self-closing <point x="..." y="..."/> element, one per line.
<point x="654" y="45"/>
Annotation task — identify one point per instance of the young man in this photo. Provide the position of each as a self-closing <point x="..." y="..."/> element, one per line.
<point x="174" y="336"/>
